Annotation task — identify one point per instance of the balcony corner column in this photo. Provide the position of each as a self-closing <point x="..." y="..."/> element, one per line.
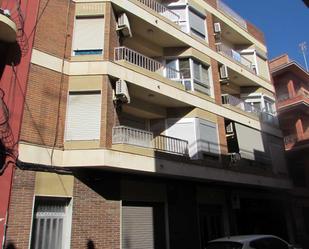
<point x="291" y="88"/>
<point x="299" y="128"/>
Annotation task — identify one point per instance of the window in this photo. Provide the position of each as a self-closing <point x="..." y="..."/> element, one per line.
<point x="197" y="23"/>
<point x="181" y="12"/>
<point x="51" y="223"/>
<point x="201" y="77"/>
<point x="83" y="116"/>
<point x="88" y="37"/>
<point x="269" y="106"/>
<point x="195" y="75"/>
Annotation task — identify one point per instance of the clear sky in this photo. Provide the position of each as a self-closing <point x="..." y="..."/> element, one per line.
<point x="285" y="24"/>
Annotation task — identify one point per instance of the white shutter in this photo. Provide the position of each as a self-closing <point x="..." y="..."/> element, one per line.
<point x="88" y="33"/>
<point x="208" y="141"/>
<point x="83" y="116"/>
<point x="197" y="22"/>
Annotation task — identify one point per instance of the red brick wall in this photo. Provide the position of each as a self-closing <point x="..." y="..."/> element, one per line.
<point x="20" y="218"/>
<point x="94" y="218"/>
<point x="281" y="60"/>
<point x="41" y="109"/>
<point x="213" y="3"/>
<point x="255" y="32"/>
<point x="109" y="117"/>
<point x="55" y="27"/>
<point x="111" y="39"/>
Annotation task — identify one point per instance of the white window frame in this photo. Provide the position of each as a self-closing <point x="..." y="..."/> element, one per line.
<point x="74" y="36"/>
<point x="192" y="79"/>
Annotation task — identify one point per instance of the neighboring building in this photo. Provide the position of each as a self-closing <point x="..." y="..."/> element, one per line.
<point x="16" y="24"/>
<point x="147" y="125"/>
<point x="291" y="83"/>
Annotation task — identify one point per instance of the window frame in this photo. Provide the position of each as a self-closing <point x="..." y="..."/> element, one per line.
<point x="190" y="81"/>
<point x="82" y="92"/>
<point x="191" y="29"/>
<point x="92" y="51"/>
<point x="67" y="219"/>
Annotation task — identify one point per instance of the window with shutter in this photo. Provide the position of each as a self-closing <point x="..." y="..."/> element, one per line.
<point x="88" y="36"/>
<point x="197" y="23"/>
<point x="83" y="116"/>
<point x="50" y="224"/>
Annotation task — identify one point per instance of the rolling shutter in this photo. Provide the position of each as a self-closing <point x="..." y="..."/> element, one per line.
<point x="83" y="116"/>
<point x="208" y="141"/>
<point x="137" y="227"/>
<point x="251" y="143"/>
<point x="197" y="22"/>
<point x="88" y="34"/>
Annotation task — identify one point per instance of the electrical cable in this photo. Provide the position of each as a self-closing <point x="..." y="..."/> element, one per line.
<point x="61" y="84"/>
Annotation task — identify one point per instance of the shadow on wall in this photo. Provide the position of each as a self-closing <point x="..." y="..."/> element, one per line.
<point x="90" y="244"/>
<point x="10" y="246"/>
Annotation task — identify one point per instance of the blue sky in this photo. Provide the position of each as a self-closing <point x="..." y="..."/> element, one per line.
<point x="285" y="24"/>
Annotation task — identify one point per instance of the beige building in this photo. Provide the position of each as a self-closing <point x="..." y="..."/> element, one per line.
<point x="147" y="124"/>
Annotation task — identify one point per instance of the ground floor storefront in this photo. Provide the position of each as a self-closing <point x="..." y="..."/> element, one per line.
<point x="97" y="209"/>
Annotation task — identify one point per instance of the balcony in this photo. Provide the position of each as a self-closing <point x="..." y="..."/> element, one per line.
<point x="161" y="10"/>
<point x="235" y="56"/>
<point x="141" y="138"/>
<point x="142" y="61"/>
<point x="285" y="100"/>
<point x="7" y="27"/>
<point x="265" y="117"/>
<point x="231" y="14"/>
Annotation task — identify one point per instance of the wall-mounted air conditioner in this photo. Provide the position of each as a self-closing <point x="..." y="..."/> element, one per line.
<point x="217" y="27"/>
<point x="122" y="92"/>
<point x="223" y="72"/>
<point x="123" y="25"/>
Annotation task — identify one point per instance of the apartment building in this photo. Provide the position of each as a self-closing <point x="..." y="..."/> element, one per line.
<point x="146" y="124"/>
<point x="291" y="83"/>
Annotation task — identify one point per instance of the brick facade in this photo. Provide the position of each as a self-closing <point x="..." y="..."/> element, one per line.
<point x="111" y="38"/>
<point x="20" y="212"/>
<point x="109" y="117"/>
<point x="95" y="219"/>
<point x="58" y="16"/>
<point x="255" y="32"/>
<point x="46" y="90"/>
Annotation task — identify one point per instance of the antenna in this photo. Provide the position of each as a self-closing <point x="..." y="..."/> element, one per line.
<point x="303" y="48"/>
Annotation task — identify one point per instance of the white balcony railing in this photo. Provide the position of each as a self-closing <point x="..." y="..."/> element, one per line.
<point x="132" y="136"/>
<point x="265" y="117"/>
<point x="236" y="56"/>
<point x="232" y="14"/>
<point x="138" y="59"/>
<point x="161" y="9"/>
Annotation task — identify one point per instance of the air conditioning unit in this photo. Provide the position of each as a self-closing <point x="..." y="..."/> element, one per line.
<point x="223" y="72"/>
<point x="122" y="92"/>
<point x="217" y="27"/>
<point x="123" y="25"/>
